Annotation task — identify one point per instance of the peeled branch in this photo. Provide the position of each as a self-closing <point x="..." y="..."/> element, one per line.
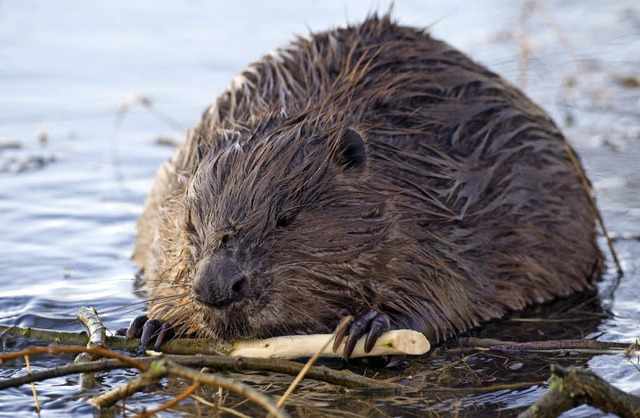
<point x="397" y="342"/>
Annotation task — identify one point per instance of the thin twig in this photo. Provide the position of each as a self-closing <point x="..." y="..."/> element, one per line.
<point x="54" y="349"/>
<point x="148" y="104"/>
<point x="185" y="394"/>
<point x="580" y="346"/>
<point x="312" y="360"/>
<point x="33" y="385"/>
<point x="216" y="407"/>
<point x="243" y="390"/>
<point x="101" y="365"/>
<point x="165" y="367"/>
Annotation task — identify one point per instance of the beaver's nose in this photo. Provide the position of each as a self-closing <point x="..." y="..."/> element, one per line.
<point x="219" y="283"/>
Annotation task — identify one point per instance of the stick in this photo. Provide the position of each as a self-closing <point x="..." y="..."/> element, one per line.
<point x="88" y="317"/>
<point x="553" y="346"/>
<point x="574" y="386"/>
<point x="398" y="342"/>
<point x="177" y="346"/>
<point x="165" y="367"/>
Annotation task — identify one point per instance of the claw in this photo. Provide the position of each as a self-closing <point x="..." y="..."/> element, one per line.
<point x="379" y="325"/>
<point x="358" y="328"/>
<point x="371" y="323"/>
<point x="136" y="325"/>
<point x="165" y="333"/>
<point x="150" y="330"/>
<point x="340" y="336"/>
<point x="350" y="344"/>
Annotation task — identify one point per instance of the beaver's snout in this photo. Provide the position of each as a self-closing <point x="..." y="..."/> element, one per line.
<point x="219" y="283"/>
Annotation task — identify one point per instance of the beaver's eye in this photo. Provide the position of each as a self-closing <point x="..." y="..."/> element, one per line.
<point x="285" y="220"/>
<point x="225" y="238"/>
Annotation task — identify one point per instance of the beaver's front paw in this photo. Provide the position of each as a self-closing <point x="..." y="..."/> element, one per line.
<point x="370" y="323"/>
<point x="149" y="331"/>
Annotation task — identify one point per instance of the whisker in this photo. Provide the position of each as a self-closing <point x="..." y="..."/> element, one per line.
<point x="181" y="289"/>
<point x="128" y="305"/>
<point x="122" y="311"/>
<point x="162" y="298"/>
<point x="160" y="281"/>
<point x="162" y="301"/>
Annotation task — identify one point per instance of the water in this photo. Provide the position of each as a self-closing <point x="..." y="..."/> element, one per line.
<point x="72" y="190"/>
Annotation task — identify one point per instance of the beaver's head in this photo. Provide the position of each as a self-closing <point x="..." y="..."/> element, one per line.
<point x="283" y="229"/>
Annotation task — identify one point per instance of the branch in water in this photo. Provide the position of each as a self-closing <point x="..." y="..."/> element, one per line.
<point x="398" y="342"/>
<point x="574" y="386"/>
<point x="88" y="317"/>
<point x="161" y="368"/>
<point x="218" y="363"/>
<point x="580" y="346"/>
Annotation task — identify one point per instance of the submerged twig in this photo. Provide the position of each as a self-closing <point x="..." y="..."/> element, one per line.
<point x="581" y="346"/>
<point x="185" y="394"/>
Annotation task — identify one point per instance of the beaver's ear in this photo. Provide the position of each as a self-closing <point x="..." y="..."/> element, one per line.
<point x="351" y="151"/>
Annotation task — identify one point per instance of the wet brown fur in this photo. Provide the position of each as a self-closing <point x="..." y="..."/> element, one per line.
<point x="467" y="205"/>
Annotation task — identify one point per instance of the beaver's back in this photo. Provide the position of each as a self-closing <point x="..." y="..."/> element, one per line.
<point x="489" y="213"/>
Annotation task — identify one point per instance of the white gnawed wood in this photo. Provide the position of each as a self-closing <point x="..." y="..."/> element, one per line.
<point x="397" y="342"/>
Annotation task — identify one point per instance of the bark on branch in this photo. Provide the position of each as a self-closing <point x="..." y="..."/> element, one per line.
<point x="574" y="386"/>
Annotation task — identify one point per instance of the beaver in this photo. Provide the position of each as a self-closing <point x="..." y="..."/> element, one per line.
<point x="371" y="171"/>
